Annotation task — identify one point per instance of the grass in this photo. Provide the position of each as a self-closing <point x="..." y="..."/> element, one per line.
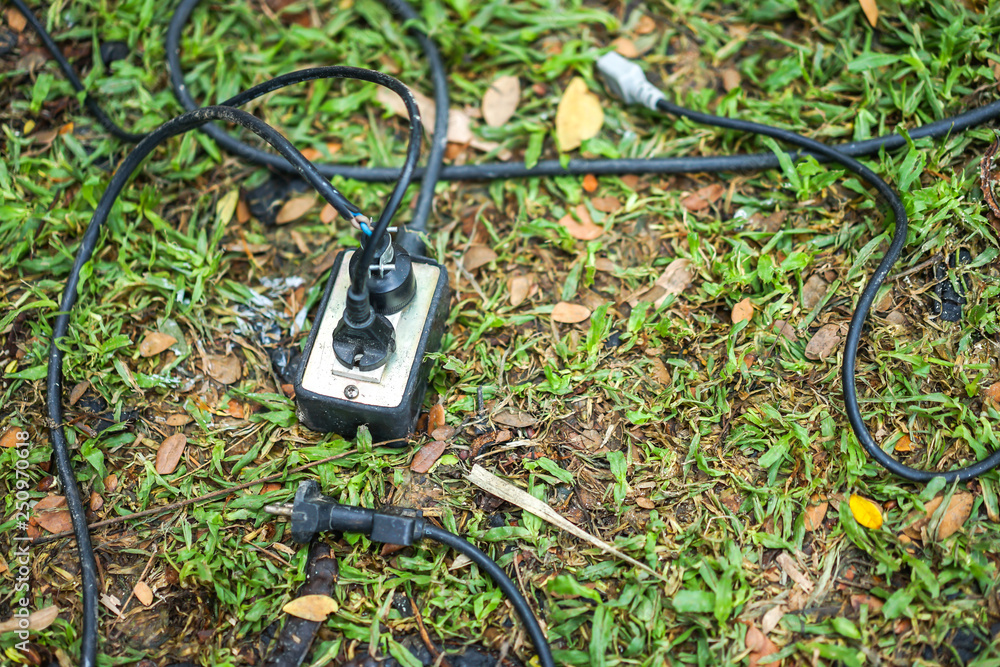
<point x="747" y="433"/>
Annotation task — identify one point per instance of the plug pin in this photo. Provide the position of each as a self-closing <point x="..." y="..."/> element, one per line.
<point x="284" y="509"/>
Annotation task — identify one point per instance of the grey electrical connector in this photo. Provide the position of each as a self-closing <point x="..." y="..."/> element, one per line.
<point x="627" y="81"/>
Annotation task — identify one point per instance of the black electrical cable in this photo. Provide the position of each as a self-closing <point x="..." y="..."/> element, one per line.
<point x="93" y="107"/>
<point x="486" y="564"/>
<point x="439" y="80"/>
<point x="60" y="449"/>
<point x="867" y="297"/>
<point x="359" y="279"/>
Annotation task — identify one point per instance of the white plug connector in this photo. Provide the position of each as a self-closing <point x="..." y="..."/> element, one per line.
<point x="627" y="81"/>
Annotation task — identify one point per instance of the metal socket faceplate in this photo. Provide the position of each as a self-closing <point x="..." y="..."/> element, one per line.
<point x="385" y="386"/>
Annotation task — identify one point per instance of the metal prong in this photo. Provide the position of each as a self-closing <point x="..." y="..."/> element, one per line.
<point x="285" y="509"/>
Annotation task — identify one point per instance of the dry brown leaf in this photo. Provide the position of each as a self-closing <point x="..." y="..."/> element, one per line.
<point x="570" y="313"/>
<point x="814" y="515"/>
<point x="742" y="311"/>
<point x="168" y="456"/>
<point x="731" y="79"/>
<point x="660" y="372"/>
<point x="10" y="437"/>
<point x="606" y="204"/>
<point x="37" y="620"/>
<point x="78" y="391"/>
<point x="870" y="8"/>
<point x="518" y="287"/>
<point x="500" y="100"/>
<point x="787" y="564"/>
<point x="785" y="329"/>
<point x="96" y="501"/>
<point x="54" y="520"/>
<point x="515" y="418"/>
<point x="435" y="418"/>
<point x="644" y="502"/>
<point x="904" y="444"/>
<point x="224" y="368"/>
<point x="427" y="456"/>
<point x="824" y="342"/>
<point x="625" y="47"/>
<point x="476" y="256"/>
<point x="993" y="392"/>
<point x="874" y="604"/>
<point x="111" y="483"/>
<point x="578" y="117"/>
<point x="311" y="607"/>
<point x="760" y="646"/>
<point x="459" y="123"/>
<point x="178" y="420"/>
<point x="770" y="619"/>
<point x="444" y="432"/>
<point x="955" y="515"/>
<point x="143" y="593"/>
<point x="16" y="20"/>
<point x="590" y="183"/>
<point x="154" y="343"/>
<point x="295" y="208"/>
<point x="703" y="198"/>
<point x="813" y="291"/>
<point x="585" y="229"/>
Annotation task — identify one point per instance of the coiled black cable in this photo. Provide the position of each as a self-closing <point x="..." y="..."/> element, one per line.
<point x="486" y="564"/>
<point x="179" y="125"/>
<point x="868" y="295"/>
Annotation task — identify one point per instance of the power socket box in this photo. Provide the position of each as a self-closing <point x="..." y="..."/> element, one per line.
<point x="332" y="398"/>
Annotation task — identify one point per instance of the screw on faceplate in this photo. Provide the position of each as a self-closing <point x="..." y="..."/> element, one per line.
<point x="351" y="391"/>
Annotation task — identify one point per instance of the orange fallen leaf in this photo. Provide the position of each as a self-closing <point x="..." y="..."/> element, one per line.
<point x="327" y="214"/>
<point x="500" y="100"/>
<point x="578" y="117"/>
<point x="242" y="211"/>
<point x="427" y="456"/>
<point x="154" y="343"/>
<point x="590" y="183"/>
<point x="11" y="437"/>
<point x="168" y="456"/>
<point x="570" y="313"/>
<point x="295" y="208"/>
<point x="625" y="47"/>
<point x="904" y="444"/>
<point x="311" y="607"/>
<point x="703" y="198"/>
<point x="96" y="501"/>
<point x="993" y="392"/>
<point x="16" y="20"/>
<point x="585" y="229"/>
<point x="866" y="512"/>
<point x="143" y="593"/>
<point x="760" y="646"/>
<point x="742" y="311"/>
<point x="435" y="418"/>
<point x="606" y="204"/>
<point x="870" y="8"/>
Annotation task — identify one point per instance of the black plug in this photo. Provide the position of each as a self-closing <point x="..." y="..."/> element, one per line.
<point x="312" y="513"/>
<point x="363" y="338"/>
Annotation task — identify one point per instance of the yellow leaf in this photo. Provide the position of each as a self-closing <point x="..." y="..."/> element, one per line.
<point x="578" y="117"/>
<point x="226" y="206"/>
<point x="866" y="512"/>
<point x="904" y="444"/>
<point x="312" y="607"/>
<point x="871" y="11"/>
